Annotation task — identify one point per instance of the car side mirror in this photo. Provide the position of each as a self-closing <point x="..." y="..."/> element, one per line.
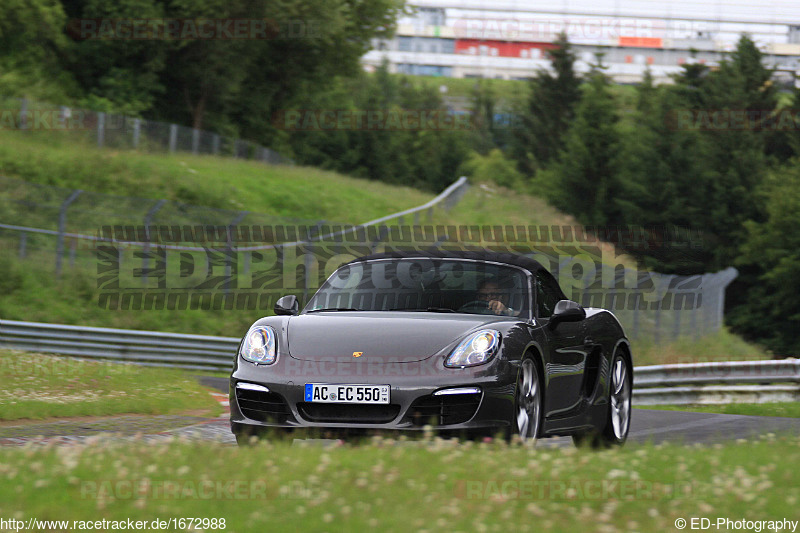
<point x="287" y="305"/>
<point x="567" y="311"/>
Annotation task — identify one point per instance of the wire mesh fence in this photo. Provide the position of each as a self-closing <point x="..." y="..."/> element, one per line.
<point x="121" y="132"/>
<point x="135" y="246"/>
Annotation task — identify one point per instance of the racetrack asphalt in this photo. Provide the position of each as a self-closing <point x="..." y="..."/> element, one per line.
<point x="646" y="426"/>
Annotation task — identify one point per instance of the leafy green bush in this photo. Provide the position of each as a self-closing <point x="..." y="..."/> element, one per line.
<point x="494" y="166"/>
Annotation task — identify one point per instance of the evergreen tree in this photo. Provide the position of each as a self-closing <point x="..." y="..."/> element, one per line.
<point x="770" y="269"/>
<point x="587" y="183"/>
<point x="548" y="112"/>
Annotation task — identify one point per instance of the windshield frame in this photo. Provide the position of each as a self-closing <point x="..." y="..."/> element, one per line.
<point x="528" y="316"/>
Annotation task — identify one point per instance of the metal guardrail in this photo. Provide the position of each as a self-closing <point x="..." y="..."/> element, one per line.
<point x="714" y="383"/>
<point x="191" y="352"/>
<point x="723" y="382"/>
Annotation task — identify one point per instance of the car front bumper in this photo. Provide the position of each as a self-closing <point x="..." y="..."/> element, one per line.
<point x="413" y="404"/>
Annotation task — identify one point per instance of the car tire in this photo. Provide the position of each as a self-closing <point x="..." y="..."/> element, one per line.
<point x="528" y="400"/>
<point x="618" y="415"/>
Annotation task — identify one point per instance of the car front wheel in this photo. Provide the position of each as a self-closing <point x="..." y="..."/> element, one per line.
<point x="528" y="401"/>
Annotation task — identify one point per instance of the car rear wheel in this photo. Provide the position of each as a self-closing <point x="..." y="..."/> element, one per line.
<point x="618" y="419"/>
<point x="528" y="405"/>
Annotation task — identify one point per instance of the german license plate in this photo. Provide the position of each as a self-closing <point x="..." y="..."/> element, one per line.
<point x="335" y="393"/>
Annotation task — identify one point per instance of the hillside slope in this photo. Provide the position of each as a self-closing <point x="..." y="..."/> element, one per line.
<point x="30" y="291"/>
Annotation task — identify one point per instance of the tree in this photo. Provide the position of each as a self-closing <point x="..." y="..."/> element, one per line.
<point x="587" y="184"/>
<point x="663" y="171"/>
<point x="230" y="84"/>
<point x="119" y="75"/>
<point x="339" y="34"/>
<point x="548" y="112"/>
<point x="483" y="110"/>
<point x="32" y="50"/>
<point x="770" y="261"/>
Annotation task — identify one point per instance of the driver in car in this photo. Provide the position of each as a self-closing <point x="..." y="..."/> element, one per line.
<point x="495" y="298"/>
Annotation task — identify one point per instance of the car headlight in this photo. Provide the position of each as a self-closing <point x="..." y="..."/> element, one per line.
<point x="259" y="345"/>
<point x="475" y="349"/>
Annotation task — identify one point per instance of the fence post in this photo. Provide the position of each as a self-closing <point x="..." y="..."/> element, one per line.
<point x="148" y="218"/>
<point x="73" y="244"/>
<point x="215" y="144"/>
<point x="63" y="114"/>
<point x="23" y="240"/>
<point x="309" y="256"/>
<point x="195" y="140"/>
<point x="62" y="224"/>
<point x="229" y="255"/>
<point x="173" y="137"/>
<point x="137" y="130"/>
<point x="101" y="128"/>
<point x="676" y="331"/>
<point x="383" y="230"/>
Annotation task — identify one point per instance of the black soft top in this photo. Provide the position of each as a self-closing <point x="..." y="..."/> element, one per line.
<point x="498" y="257"/>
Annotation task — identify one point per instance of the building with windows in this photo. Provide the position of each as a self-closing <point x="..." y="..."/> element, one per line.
<point x="509" y="39"/>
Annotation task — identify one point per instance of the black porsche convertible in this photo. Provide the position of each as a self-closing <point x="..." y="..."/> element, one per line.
<point x="458" y="342"/>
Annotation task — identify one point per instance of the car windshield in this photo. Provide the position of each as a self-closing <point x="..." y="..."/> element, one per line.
<point x="425" y="284"/>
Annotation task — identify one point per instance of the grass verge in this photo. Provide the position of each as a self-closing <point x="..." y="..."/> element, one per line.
<point x="783" y="409"/>
<point x="51" y="158"/>
<point x="452" y="486"/>
<point x="36" y="386"/>
<point x="720" y="346"/>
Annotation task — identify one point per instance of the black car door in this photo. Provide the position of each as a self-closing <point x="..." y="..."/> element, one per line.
<point x="565" y="355"/>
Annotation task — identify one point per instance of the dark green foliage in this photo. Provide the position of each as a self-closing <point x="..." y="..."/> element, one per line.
<point x="33" y="50"/>
<point x="770" y="265"/>
<point x="586" y="182"/>
<point x="547" y="113"/>
<point x="424" y="157"/>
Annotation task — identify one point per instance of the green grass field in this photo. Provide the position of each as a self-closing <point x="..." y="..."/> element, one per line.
<point x="52" y="158"/>
<point x="400" y="486"/>
<point x="720" y="346"/>
<point x="36" y="386"/>
<point x="782" y="409"/>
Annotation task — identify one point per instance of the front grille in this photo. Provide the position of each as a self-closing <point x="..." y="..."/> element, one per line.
<point x="444" y="410"/>
<point x="352" y="413"/>
<point x="262" y="406"/>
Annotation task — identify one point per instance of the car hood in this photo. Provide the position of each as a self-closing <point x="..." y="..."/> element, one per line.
<point x="394" y="336"/>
